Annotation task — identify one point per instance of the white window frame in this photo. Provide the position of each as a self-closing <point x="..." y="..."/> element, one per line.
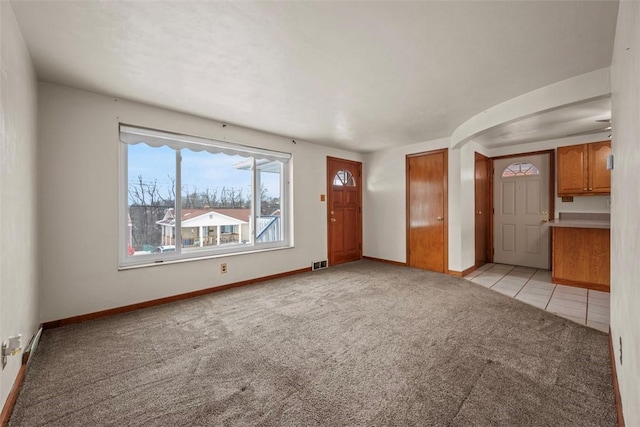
<point x="184" y="141"/>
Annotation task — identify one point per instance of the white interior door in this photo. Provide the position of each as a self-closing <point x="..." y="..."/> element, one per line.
<point x="521" y="207"/>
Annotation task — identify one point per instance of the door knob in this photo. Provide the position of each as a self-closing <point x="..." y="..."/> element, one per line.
<point x="479" y="212"/>
<point x="333" y="220"/>
<point x="439" y="218"/>
<point x="545" y="217"/>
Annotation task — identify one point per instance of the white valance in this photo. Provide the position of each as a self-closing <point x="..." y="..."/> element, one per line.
<point x="135" y="135"/>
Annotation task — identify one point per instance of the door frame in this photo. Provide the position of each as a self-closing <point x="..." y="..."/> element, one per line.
<point x="552" y="194"/>
<point x="489" y="213"/>
<point x="330" y="201"/>
<point x="445" y="206"/>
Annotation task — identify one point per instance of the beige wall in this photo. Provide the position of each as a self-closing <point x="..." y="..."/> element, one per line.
<point x="18" y="257"/>
<point x="79" y="172"/>
<point x="625" y="208"/>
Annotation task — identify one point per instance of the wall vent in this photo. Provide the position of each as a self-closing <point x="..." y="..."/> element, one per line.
<point x="318" y="265"/>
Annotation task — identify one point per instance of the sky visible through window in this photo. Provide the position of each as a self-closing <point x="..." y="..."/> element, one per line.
<point x="201" y="171"/>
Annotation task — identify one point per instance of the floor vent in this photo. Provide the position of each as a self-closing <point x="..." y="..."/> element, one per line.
<point x="318" y="265"/>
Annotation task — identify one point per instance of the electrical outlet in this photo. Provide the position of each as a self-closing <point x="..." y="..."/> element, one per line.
<point x="223" y="268"/>
<point x="10" y="348"/>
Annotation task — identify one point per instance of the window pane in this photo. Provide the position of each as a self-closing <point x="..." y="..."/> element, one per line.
<point x="268" y="216"/>
<point x="215" y="200"/>
<point x="520" y="169"/>
<point x="192" y="197"/>
<point x="344" y="178"/>
<point x="151" y="198"/>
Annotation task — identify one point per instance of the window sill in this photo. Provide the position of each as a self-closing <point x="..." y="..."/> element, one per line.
<point x="157" y="263"/>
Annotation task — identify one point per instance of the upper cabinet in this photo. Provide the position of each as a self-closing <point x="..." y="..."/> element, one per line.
<point x="599" y="175"/>
<point x="582" y="169"/>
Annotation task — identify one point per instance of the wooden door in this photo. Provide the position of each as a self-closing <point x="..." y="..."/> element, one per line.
<point x="599" y="175"/>
<point x="482" y="208"/>
<point x="521" y="197"/>
<point x="427" y="211"/>
<point x="572" y="170"/>
<point x="344" y="210"/>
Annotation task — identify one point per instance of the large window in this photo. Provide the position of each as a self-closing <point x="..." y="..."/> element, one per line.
<point x="188" y="197"/>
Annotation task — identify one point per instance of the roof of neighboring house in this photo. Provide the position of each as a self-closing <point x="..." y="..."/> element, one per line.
<point x="207" y="217"/>
<point x="241" y="214"/>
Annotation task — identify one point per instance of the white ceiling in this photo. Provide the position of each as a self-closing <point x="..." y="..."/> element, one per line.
<point x="356" y="75"/>
<point x="586" y="118"/>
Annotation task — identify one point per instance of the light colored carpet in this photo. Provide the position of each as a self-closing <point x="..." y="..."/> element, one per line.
<point x="364" y="344"/>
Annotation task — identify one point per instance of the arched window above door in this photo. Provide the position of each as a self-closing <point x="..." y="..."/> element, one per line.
<point x="344" y="178"/>
<point x="520" y="169"/>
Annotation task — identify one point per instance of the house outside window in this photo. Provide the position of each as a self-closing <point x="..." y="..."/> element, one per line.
<point x="189" y="197"/>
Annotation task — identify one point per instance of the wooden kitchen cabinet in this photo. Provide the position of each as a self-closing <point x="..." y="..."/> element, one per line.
<point x="581" y="257"/>
<point x="599" y="176"/>
<point x="582" y="169"/>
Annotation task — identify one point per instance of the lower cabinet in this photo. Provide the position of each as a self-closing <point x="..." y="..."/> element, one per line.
<point x="581" y="257"/>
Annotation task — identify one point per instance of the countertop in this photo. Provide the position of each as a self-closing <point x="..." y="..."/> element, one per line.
<point x="582" y="220"/>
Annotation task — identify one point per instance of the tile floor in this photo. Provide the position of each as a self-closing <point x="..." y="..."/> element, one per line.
<point x="534" y="287"/>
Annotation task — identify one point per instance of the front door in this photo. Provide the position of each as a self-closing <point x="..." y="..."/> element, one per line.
<point x="344" y="210"/>
<point x="427" y="211"/>
<point x="481" y="209"/>
<point x="521" y="200"/>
